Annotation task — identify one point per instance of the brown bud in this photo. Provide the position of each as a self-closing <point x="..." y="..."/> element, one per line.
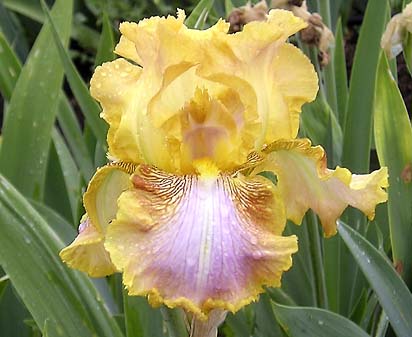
<point x="243" y="15"/>
<point x="323" y="58"/>
<point x="316" y="20"/>
<point x="310" y="35"/>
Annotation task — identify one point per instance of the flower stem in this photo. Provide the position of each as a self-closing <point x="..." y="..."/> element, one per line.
<point x="209" y="327"/>
<point x="329" y="70"/>
<point x="317" y="259"/>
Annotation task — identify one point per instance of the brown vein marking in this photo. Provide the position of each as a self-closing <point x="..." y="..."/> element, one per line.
<point x="126" y="167"/>
<point x="163" y="189"/>
<point x="252" y="198"/>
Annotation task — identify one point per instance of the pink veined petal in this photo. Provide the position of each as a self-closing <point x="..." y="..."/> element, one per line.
<point x="200" y="243"/>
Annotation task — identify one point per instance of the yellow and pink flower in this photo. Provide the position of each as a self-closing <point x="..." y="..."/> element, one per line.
<point x="194" y="117"/>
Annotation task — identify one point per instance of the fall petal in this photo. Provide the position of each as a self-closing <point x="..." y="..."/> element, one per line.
<point x="305" y="182"/>
<point x="199" y="242"/>
<point x="87" y="252"/>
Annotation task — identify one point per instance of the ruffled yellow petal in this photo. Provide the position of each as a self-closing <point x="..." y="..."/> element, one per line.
<point x="305" y="182"/>
<point x="87" y="252"/>
<point x="281" y="76"/>
<point x="199" y="242"/>
<point x="127" y="49"/>
<point x="248" y="87"/>
<point x="113" y="84"/>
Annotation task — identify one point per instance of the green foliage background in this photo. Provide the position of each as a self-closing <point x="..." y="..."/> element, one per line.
<point x="53" y="140"/>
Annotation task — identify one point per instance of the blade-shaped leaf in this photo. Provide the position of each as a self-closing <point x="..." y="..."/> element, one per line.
<point x="341" y="75"/>
<point x="141" y="319"/>
<point x="29" y="115"/>
<point x="197" y="18"/>
<point x="266" y="324"/>
<point x="48" y="288"/>
<point x="106" y="43"/>
<point x="70" y="173"/>
<point x="9" y="68"/>
<point x="392" y="292"/>
<point x="90" y="108"/>
<point x="393" y="138"/>
<point x="358" y="125"/>
<point x="304" y="322"/>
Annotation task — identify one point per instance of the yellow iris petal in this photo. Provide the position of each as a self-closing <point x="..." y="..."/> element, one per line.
<point x="252" y="83"/>
<point x="87" y="252"/>
<point x="305" y="182"/>
<point x="113" y="86"/>
<point x="199" y="242"/>
<point x="282" y="78"/>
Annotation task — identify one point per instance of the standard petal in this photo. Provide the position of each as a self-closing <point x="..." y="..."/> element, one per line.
<point x="281" y="76"/>
<point x="113" y="84"/>
<point x="199" y="242"/>
<point x="127" y="49"/>
<point x="305" y="182"/>
<point x="87" y="253"/>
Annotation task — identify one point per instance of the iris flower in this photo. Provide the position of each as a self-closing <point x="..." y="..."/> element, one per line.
<point x="195" y="117"/>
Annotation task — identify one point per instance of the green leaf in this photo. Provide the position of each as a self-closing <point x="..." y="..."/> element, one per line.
<point x="85" y="36"/>
<point x="73" y="134"/>
<point x="228" y="7"/>
<point x="64" y="228"/>
<point x="4" y="281"/>
<point x="407" y="51"/>
<point x="304" y="322"/>
<point x="174" y="320"/>
<point x="29" y="255"/>
<point x="28" y="115"/>
<point x="90" y="108"/>
<point x="328" y="71"/>
<point x="238" y="323"/>
<point x="358" y="125"/>
<point x="341" y="75"/>
<point x="320" y="124"/>
<point x="28" y="8"/>
<point x="106" y="43"/>
<point x="266" y="324"/>
<point x="70" y="173"/>
<point x="299" y="281"/>
<point x="198" y="17"/>
<point x="141" y="319"/>
<point x="393" y="294"/>
<point x="393" y="138"/>
<point x="13" y="314"/>
<point x="14" y="31"/>
<point x="56" y="194"/>
<point x="9" y="68"/>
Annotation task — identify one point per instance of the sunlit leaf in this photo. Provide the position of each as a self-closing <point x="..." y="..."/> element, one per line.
<point x="304" y="322"/>
<point x="393" y="138"/>
<point x="393" y="294"/>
